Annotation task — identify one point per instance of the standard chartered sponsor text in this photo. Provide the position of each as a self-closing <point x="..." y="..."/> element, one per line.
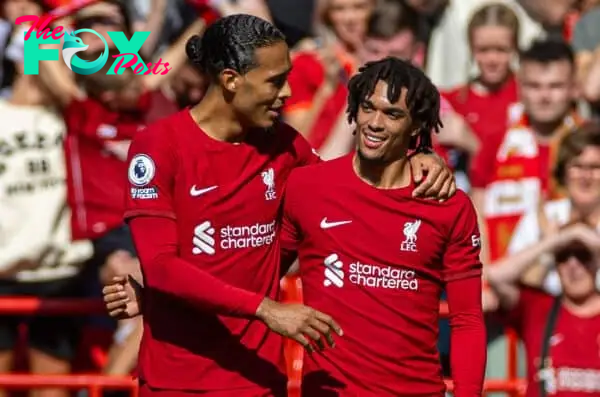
<point x="247" y="236"/>
<point x="382" y="277"/>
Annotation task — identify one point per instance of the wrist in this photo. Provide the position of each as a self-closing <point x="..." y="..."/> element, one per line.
<point x="262" y="309"/>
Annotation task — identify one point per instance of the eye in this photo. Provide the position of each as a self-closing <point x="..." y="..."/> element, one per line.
<point x="366" y="106"/>
<point x="394" y="115"/>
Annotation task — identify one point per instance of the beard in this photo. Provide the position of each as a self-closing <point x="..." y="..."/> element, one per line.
<point x="369" y="161"/>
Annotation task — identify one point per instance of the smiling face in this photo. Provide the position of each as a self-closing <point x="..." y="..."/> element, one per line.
<point x="493" y="48"/>
<point x="582" y="178"/>
<point x="258" y="95"/>
<point x="384" y="128"/>
<point x="349" y="19"/>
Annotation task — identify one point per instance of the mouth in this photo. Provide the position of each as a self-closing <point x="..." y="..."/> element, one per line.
<point x="275" y="110"/>
<point x="373" y="141"/>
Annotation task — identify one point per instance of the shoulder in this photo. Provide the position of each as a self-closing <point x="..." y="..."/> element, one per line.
<point x="293" y="142"/>
<point x="460" y="201"/>
<point x="318" y="174"/>
<point x="157" y="142"/>
<point x="162" y="130"/>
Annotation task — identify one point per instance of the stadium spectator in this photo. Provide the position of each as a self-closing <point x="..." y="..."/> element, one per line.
<point x="493" y="33"/>
<point x="448" y="57"/>
<point x="37" y="257"/>
<point x="520" y="170"/>
<point x="321" y="69"/>
<point x="560" y="333"/>
<point x="578" y="172"/>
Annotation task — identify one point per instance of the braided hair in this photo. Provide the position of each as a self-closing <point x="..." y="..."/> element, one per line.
<point x="230" y="43"/>
<point x="422" y="97"/>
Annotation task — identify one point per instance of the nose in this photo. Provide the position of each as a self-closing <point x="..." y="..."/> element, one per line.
<point x="376" y="122"/>
<point x="286" y="91"/>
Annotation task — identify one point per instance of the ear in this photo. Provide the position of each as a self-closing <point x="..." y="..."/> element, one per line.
<point x="230" y="80"/>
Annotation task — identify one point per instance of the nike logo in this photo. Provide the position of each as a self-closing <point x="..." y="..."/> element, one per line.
<point x="328" y="225"/>
<point x="198" y="192"/>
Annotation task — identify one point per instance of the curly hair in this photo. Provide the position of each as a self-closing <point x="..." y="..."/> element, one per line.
<point x="230" y="43"/>
<point x="422" y="97"/>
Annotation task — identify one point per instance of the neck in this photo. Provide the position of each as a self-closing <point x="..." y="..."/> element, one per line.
<point x="544" y="131"/>
<point x="587" y="307"/>
<point x="483" y="87"/>
<point x="392" y="175"/>
<point x="27" y="92"/>
<point x="217" y="118"/>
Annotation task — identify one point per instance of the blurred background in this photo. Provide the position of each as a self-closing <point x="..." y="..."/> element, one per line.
<point x="517" y="77"/>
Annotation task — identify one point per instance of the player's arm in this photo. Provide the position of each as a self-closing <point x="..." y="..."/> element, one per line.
<point x="462" y="274"/>
<point x="153" y="167"/>
<point x="439" y="182"/>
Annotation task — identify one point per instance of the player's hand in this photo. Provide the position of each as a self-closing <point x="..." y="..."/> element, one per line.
<point x="304" y="324"/>
<point x="439" y="183"/>
<point x="122" y="297"/>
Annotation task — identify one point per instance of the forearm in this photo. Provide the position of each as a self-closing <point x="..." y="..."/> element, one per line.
<point x="175" y="56"/>
<point x="510" y="269"/>
<point x="168" y="274"/>
<point x="590" y="83"/>
<point x="304" y="120"/>
<point x="123" y="357"/>
<point x="468" y="337"/>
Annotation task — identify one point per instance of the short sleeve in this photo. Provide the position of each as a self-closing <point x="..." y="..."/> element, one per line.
<point x="152" y="165"/>
<point x="305" y="79"/>
<point x="461" y="259"/>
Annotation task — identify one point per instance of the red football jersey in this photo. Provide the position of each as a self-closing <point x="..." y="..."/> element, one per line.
<point x="95" y="185"/>
<point x="376" y="261"/>
<point x="574" y="347"/>
<point x="487" y="116"/>
<point x="225" y="199"/>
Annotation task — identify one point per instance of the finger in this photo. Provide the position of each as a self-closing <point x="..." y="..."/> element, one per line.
<point x="304" y="342"/>
<point x="417" y="172"/>
<point x="121" y="304"/>
<point x="117" y="313"/>
<point x="119" y="280"/>
<point x="312" y="334"/>
<point x="433" y="175"/>
<point x="112" y="289"/>
<point x="327" y="319"/>
<point x="435" y="189"/>
<point x="445" y="192"/>
<point x="324" y="329"/>
<point x="117" y="296"/>
<point x="452" y="188"/>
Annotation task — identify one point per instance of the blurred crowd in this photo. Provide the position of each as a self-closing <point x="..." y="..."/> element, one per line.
<point x="520" y="86"/>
